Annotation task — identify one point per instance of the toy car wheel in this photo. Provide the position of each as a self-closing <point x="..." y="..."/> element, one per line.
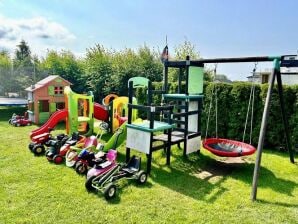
<point x="29" y="124"/>
<point x="9" y="121"/>
<point x="110" y="191"/>
<point x="81" y="168"/>
<point x="31" y="146"/>
<point x="142" y="177"/>
<point x="58" y="159"/>
<point x="47" y="152"/>
<point x="88" y="184"/>
<point x="18" y="124"/>
<point x="38" y="150"/>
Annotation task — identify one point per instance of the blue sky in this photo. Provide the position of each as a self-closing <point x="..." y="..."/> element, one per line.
<point x="217" y="28"/>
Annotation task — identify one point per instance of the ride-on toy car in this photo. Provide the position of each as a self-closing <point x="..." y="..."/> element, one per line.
<point x="57" y="148"/>
<point x="88" y="158"/>
<point x="54" y="145"/>
<point x="38" y="142"/>
<point x="17" y="120"/>
<point x="81" y="156"/>
<point x="107" y="181"/>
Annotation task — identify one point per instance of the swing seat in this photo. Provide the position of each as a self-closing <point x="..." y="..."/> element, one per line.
<point x="228" y="148"/>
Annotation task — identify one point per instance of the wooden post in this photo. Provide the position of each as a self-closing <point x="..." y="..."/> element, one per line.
<point x="283" y="115"/>
<point x="263" y="130"/>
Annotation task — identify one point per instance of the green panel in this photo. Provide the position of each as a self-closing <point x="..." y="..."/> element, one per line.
<point x="51" y="90"/>
<point x="52" y="107"/>
<point x="139" y="82"/>
<point x="157" y="126"/>
<point x="182" y="96"/>
<point x="43" y="117"/>
<point x="195" y="80"/>
<point x="274" y="57"/>
<point x="73" y="118"/>
<point x="276" y="64"/>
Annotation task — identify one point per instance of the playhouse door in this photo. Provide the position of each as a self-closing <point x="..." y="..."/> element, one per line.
<point x="44" y="111"/>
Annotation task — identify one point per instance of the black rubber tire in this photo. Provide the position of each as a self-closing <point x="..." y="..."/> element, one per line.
<point x="81" y="168"/>
<point x="9" y="121"/>
<point x="110" y="191"/>
<point x="88" y="184"/>
<point x="142" y="177"/>
<point x="31" y="146"/>
<point x="38" y="150"/>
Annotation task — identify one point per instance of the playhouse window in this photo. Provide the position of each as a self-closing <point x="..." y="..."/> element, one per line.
<point x="60" y="105"/>
<point x="58" y="90"/>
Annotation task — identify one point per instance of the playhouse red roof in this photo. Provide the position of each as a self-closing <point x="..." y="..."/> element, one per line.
<point x="44" y="82"/>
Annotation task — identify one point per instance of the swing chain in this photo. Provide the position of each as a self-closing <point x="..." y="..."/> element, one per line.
<point x="250" y="105"/>
<point x="213" y="94"/>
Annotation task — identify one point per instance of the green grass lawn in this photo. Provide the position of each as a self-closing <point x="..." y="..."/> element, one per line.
<point x="200" y="189"/>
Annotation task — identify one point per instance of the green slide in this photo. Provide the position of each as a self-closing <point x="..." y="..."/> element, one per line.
<point x="111" y="143"/>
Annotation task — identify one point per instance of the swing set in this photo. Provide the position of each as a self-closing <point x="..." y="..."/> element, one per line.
<point x="226" y="147"/>
<point x="232" y="148"/>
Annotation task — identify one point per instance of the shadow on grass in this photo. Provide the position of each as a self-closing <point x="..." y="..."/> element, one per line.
<point x="121" y="187"/>
<point x="287" y="205"/>
<point x="184" y="176"/>
<point x="267" y="179"/>
<point x="202" y="177"/>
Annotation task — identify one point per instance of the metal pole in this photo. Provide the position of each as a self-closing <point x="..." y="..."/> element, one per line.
<point x="275" y="70"/>
<point x="283" y="115"/>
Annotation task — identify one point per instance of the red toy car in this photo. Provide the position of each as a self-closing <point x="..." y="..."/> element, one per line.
<point x="17" y="120"/>
<point x="38" y="142"/>
<point x="21" y="122"/>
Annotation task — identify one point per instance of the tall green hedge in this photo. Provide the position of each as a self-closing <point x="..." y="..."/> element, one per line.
<point x="232" y="108"/>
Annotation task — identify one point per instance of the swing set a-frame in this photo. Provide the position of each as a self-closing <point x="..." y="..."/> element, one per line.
<point x="287" y="61"/>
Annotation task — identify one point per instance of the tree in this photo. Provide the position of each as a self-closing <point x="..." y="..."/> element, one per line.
<point x="6" y="79"/>
<point x="64" y="64"/>
<point x="23" y="68"/>
<point x="98" y="70"/>
<point x="186" y="49"/>
<point x="150" y="65"/>
<point x="22" y="52"/>
<point x="181" y="51"/>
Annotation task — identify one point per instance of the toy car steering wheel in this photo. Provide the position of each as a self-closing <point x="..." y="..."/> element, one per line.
<point x="104" y="126"/>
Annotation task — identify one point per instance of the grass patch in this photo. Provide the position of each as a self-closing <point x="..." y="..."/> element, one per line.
<point x="200" y="189"/>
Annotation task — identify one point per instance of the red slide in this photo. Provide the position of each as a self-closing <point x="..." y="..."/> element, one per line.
<point x="51" y="123"/>
<point x="100" y="112"/>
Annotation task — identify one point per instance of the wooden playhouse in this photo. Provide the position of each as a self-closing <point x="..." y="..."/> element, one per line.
<point x="46" y="97"/>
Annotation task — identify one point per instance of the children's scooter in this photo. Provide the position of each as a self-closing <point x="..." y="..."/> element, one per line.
<point x="106" y="182"/>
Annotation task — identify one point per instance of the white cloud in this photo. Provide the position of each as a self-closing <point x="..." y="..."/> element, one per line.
<point x="41" y="34"/>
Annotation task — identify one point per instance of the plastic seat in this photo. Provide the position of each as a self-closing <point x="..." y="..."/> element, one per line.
<point x="133" y="165"/>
